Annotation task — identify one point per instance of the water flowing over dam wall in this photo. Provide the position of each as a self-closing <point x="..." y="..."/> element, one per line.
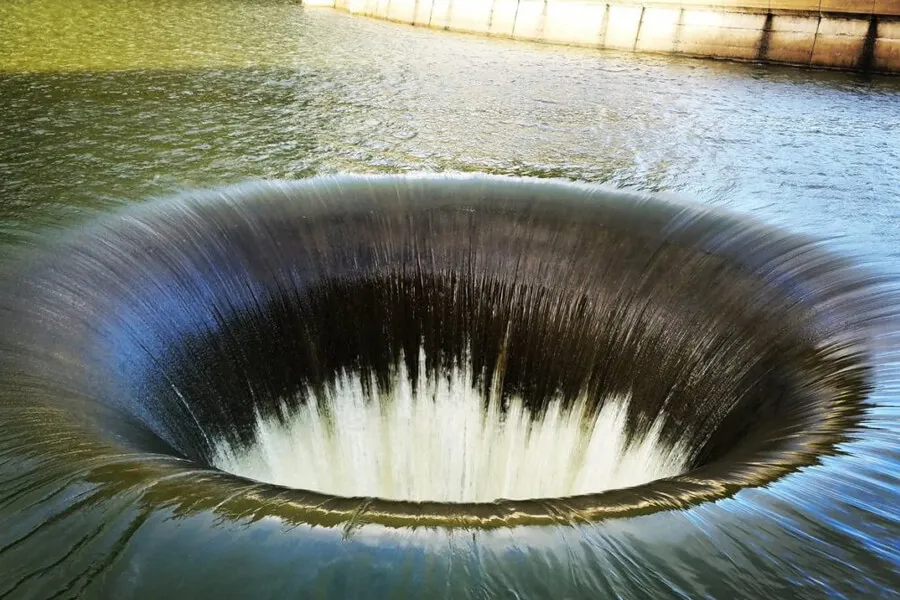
<point x="861" y="35"/>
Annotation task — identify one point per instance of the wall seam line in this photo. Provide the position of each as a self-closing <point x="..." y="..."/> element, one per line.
<point x="604" y="25"/>
<point x="431" y="13"/>
<point x="812" y="51"/>
<point x="637" y="35"/>
<point x="512" y="33"/>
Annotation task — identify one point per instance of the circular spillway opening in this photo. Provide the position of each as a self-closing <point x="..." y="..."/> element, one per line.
<point x="459" y="351"/>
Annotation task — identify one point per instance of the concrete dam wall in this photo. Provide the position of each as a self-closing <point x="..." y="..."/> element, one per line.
<point x="861" y="35"/>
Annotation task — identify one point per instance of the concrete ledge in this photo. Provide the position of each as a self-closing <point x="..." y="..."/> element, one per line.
<point x="707" y="33"/>
<point x="863" y="7"/>
<point x="837" y="34"/>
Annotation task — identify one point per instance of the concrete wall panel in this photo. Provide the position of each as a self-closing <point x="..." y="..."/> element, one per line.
<point x="440" y="14"/>
<point x="794" y="24"/>
<point x="503" y="17"/>
<point x="792" y="47"/>
<point x="712" y="36"/>
<point x="530" y="20"/>
<point x="721" y="34"/>
<point x="844" y="27"/>
<point x="889" y="30"/>
<point x="574" y="22"/>
<point x="381" y="9"/>
<point x="659" y="30"/>
<point x="839" y="42"/>
<point x="887" y="55"/>
<point x="403" y="11"/>
<point x="473" y="16"/>
<point x="723" y="20"/>
<point x="887" y="47"/>
<point x="423" y="12"/>
<point x="622" y="26"/>
<point x="837" y="51"/>
<point x="718" y="51"/>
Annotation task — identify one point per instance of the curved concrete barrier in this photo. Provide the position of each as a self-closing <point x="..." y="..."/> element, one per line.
<point x="862" y="35"/>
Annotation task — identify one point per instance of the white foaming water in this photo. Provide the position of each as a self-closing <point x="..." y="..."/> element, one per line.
<point x="441" y="442"/>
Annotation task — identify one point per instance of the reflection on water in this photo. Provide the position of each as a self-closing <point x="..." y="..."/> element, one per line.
<point x="106" y="102"/>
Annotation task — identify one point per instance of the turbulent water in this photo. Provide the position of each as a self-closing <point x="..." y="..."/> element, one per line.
<point x="437" y="440"/>
<point x="106" y="104"/>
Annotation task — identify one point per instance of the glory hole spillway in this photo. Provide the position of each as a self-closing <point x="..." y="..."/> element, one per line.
<point x="298" y="304"/>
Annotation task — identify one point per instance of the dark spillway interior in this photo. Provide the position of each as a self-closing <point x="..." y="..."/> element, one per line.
<point x="187" y="317"/>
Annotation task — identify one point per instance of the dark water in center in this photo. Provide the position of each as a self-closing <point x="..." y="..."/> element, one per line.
<point x="105" y="103"/>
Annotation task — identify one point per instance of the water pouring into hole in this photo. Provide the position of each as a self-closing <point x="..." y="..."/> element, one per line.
<point x="441" y="441"/>
<point x="399" y="354"/>
<point x="463" y="341"/>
